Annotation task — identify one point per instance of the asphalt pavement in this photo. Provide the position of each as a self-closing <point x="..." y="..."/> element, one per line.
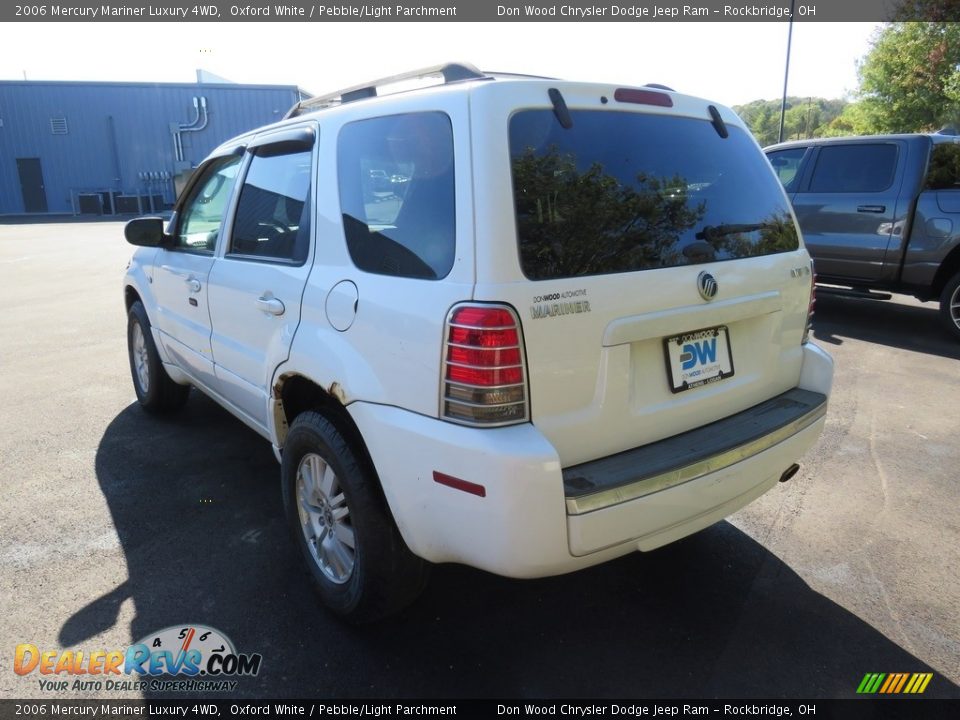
<point x="115" y="525"/>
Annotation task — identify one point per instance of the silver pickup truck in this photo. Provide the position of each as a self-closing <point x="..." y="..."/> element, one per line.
<point x="880" y="214"/>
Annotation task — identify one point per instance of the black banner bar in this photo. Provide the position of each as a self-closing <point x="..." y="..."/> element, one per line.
<point x="859" y="709"/>
<point x="484" y="11"/>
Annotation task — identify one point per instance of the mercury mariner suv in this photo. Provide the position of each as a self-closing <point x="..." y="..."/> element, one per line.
<point x="518" y="323"/>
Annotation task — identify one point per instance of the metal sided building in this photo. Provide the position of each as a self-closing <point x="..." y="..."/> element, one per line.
<point x="113" y="148"/>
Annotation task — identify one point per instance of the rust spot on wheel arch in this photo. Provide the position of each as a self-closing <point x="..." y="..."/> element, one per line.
<point x="337" y="391"/>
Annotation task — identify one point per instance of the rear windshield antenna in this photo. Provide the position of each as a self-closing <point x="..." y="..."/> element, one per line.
<point x="560" y="109"/>
<point x="718" y="123"/>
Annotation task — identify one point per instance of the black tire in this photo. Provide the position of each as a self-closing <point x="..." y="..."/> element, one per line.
<point x="156" y="392"/>
<point x="950" y="306"/>
<point x="383" y="575"/>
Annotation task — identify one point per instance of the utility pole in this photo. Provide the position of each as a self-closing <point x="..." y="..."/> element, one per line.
<point x="786" y="71"/>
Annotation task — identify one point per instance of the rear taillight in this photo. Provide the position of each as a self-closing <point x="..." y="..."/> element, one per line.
<point x="812" y="304"/>
<point x="484" y="376"/>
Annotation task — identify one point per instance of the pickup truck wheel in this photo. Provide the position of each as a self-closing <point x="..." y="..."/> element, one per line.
<point x="361" y="567"/>
<point x="950" y="306"/>
<point x="156" y="392"/>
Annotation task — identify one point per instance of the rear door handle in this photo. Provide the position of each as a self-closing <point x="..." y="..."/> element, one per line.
<point x="193" y="285"/>
<point x="270" y="305"/>
<point x="871" y="208"/>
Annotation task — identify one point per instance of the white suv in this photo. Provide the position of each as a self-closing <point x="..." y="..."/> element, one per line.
<point x="518" y="323"/>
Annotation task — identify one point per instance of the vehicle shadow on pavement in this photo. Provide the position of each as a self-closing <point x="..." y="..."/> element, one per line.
<point x="893" y="324"/>
<point x="197" y="508"/>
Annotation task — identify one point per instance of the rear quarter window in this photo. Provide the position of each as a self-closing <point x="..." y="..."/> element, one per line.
<point x="944" y="170"/>
<point x="396" y="185"/>
<point x="622" y="191"/>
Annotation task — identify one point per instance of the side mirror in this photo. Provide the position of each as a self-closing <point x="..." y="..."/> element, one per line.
<point x="146" y="232"/>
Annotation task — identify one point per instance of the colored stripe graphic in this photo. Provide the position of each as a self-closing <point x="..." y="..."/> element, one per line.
<point x="894" y="683"/>
<point x="891" y="680"/>
<point x="870" y="683"/>
<point x="919" y="683"/>
<point x="903" y="679"/>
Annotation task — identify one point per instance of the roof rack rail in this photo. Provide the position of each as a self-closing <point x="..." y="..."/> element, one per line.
<point x="507" y="75"/>
<point x="450" y="72"/>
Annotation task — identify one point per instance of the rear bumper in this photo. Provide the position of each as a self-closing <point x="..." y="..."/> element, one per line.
<point x="664" y="516"/>
<point x="534" y="519"/>
<point x="689" y="456"/>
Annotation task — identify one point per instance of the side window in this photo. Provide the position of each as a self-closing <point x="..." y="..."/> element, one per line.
<point x="854" y="168"/>
<point x="395" y="176"/>
<point x="786" y="163"/>
<point x="273" y="212"/>
<point x="944" y="170"/>
<point x="203" y="210"/>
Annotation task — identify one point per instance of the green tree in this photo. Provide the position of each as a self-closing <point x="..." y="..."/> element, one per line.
<point x="909" y="81"/>
<point x="806" y="117"/>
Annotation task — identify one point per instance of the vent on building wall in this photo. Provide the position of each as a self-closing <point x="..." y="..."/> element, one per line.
<point x="58" y="126"/>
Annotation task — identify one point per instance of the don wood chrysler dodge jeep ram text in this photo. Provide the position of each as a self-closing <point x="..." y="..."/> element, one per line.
<point x="523" y="324"/>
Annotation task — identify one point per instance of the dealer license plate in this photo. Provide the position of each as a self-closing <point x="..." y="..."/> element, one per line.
<point x="698" y="358"/>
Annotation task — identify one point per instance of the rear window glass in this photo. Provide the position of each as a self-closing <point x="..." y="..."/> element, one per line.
<point x="620" y="192"/>
<point x="944" y="170"/>
<point x="854" y="168"/>
<point x="397" y="194"/>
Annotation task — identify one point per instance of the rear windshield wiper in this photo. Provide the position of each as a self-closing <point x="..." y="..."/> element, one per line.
<point x="715" y="232"/>
<point x="718" y="124"/>
<point x="560" y="109"/>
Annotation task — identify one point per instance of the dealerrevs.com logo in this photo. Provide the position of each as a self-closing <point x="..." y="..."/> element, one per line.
<point x="201" y="659"/>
